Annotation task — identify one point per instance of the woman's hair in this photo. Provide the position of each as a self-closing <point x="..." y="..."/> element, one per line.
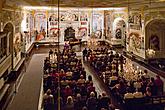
<point x="92" y="94"/>
<point x="148" y="89"/>
<point x="69" y="100"/>
<point x="48" y="92"/>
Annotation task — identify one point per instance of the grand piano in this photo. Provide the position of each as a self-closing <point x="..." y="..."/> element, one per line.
<point x="74" y="41"/>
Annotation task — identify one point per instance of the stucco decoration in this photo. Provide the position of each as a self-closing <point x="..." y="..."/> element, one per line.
<point x="134" y="41"/>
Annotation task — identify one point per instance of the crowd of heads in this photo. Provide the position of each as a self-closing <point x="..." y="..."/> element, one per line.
<point x="68" y="76"/>
<point x="109" y="67"/>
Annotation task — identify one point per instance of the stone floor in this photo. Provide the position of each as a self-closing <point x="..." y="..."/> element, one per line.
<point x="27" y="96"/>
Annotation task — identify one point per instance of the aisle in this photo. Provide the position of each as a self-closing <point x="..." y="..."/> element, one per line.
<point x="100" y="87"/>
<point x="27" y="96"/>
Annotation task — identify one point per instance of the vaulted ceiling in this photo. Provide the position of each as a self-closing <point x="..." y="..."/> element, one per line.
<point x="87" y="3"/>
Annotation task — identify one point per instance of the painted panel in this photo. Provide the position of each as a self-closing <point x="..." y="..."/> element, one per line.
<point x="97" y="24"/>
<point x="17" y="48"/>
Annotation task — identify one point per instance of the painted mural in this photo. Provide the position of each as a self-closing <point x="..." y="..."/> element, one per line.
<point x="82" y="32"/>
<point x="41" y="25"/>
<point x="118" y="33"/>
<point x="154" y="42"/>
<point x="68" y="16"/>
<point x="54" y="32"/>
<point x="53" y="17"/>
<point x="135" y="21"/>
<point x="83" y="16"/>
<point x="30" y="29"/>
<point x="98" y="24"/>
<point x="108" y="26"/>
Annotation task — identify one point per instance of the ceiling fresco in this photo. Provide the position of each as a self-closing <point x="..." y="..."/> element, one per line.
<point x="86" y="3"/>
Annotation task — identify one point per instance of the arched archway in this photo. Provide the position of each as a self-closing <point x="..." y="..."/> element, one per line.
<point x="119" y="30"/>
<point x="9" y="29"/>
<point x="154" y="33"/>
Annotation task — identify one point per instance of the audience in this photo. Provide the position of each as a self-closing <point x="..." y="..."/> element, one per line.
<point x="77" y="93"/>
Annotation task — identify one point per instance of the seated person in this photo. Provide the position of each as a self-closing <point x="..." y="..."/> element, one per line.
<point x="138" y="94"/>
<point x="81" y="80"/>
<point x="128" y="94"/>
<point x="113" y="80"/>
<point x="148" y="92"/>
<point x="69" y="74"/>
<point x="64" y="82"/>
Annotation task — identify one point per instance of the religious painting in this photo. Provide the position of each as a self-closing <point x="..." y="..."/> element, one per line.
<point x="82" y="32"/>
<point x="74" y="17"/>
<point x="118" y="33"/>
<point x="97" y="23"/>
<point x="27" y="21"/>
<point x="54" y="32"/>
<point x="68" y="16"/>
<point x="53" y="17"/>
<point x="40" y="21"/>
<point x="17" y="44"/>
<point x="135" y="21"/>
<point x="154" y="42"/>
<point x="31" y="28"/>
<point x="98" y="34"/>
<point x="108" y="26"/>
<point x="83" y="16"/>
<point x="62" y="16"/>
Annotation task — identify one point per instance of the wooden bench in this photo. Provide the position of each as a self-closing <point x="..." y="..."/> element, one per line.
<point x="3" y="90"/>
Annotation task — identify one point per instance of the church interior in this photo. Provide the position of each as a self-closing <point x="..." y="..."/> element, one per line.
<point x="82" y="54"/>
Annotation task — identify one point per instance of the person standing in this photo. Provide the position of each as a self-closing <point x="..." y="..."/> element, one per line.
<point x="85" y="52"/>
<point x="159" y="85"/>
